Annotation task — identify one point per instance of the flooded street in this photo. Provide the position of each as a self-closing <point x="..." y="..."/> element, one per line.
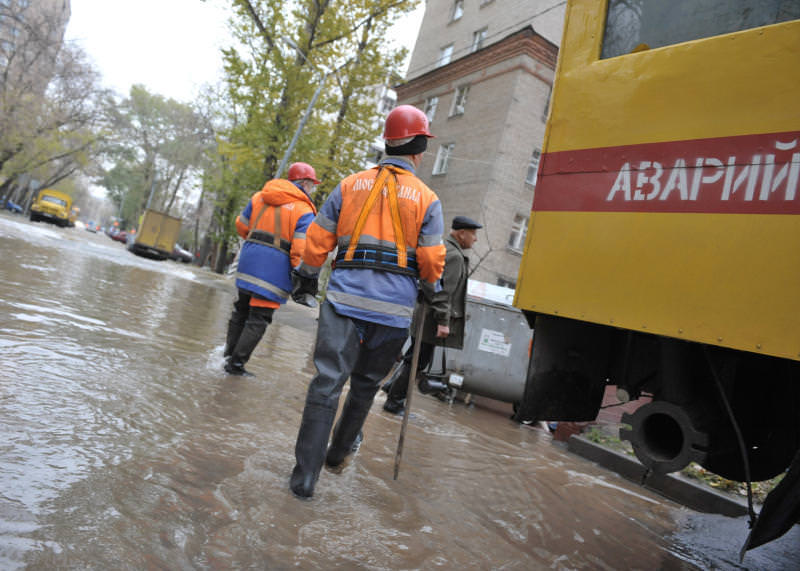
<point x="123" y="445"/>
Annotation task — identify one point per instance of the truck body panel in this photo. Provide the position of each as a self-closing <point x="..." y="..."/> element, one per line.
<point x="654" y="212"/>
<point x="158" y="232"/>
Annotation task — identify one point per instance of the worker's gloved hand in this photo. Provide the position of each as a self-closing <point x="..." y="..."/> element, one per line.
<point x="304" y="289"/>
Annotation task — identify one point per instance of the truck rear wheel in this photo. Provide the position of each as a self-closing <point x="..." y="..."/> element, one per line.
<point x="689" y="420"/>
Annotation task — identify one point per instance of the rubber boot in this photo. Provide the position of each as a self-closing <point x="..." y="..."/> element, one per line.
<point x="387" y="386"/>
<point x="309" y="451"/>
<point x="241" y="309"/>
<point x="394" y="406"/>
<point x="345" y="440"/>
<point x="251" y="334"/>
<point x="396" y="395"/>
<point x="235" y="327"/>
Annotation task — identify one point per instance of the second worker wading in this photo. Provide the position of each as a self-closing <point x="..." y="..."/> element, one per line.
<point x="274" y="225"/>
<point x="376" y="236"/>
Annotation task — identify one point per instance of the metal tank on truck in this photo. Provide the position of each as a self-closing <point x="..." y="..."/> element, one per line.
<point x="663" y="249"/>
<point x="156" y="237"/>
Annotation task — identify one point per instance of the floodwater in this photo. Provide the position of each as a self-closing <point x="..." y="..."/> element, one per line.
<point x="123" y="445"/>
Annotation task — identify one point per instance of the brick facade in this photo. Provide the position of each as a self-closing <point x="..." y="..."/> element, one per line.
<point x="500" y="17"/>
<point x="503" y="122"/>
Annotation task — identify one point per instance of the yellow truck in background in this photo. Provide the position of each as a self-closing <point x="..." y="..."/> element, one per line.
<point x="156" y="236"/>
<point x="52" y="206"/>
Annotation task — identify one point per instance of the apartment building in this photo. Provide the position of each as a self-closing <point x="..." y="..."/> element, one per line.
<point x="482" y="70"/>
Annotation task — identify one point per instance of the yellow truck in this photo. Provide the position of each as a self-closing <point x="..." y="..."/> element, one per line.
<point x="52" y="206"/>
<point x="663" y="248"/>
<point x="156" y="236"/>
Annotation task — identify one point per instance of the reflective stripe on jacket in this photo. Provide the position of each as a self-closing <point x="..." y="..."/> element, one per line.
<point x="383" y="288"/>
<point x="274" y="225"/>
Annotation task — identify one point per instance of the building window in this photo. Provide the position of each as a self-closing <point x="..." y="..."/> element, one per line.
<point x="445" y="54"/>
<point x="387" y="104"/>
<point x="430" y="107"/>
<point x="459" y="101"/>
<point x="506" y="282"/>
<point x="516" y="240"/>
<point x="533" y="167"/>
<point x="478" y="38"/>
<point x="458" y="10"/>
<point x="442" y="158"/>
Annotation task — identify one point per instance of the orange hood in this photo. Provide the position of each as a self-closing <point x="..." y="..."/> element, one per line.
<point x="279" y="191"/>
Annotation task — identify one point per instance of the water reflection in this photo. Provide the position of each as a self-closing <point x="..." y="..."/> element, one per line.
<point x="124" y="446"/>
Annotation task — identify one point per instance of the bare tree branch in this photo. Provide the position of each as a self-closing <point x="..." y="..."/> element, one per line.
<point x="363" y="22"/>
<point x="480" y="261"/>
<point x="259" y="24"/>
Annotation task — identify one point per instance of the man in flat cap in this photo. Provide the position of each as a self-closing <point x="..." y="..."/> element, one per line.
<point x="444" y="319"/>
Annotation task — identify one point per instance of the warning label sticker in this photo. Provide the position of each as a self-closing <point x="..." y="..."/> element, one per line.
<point x="494" y="342"/>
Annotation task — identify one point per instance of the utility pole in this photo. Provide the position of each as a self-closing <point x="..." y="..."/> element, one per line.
<point x="152" y="188"/>
<point x="302" y="124"/>
<point x="307" y="113"/>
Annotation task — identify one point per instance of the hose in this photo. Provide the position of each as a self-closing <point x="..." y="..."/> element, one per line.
<point x="740" y="439"/>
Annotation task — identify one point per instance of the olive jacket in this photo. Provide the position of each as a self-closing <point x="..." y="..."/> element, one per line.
<point x="448" y="306"/>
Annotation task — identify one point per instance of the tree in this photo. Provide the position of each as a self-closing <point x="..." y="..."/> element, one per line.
<point x="51" y="107"/>
<point x="157" y="153"/>
<point x="270" y="81"/>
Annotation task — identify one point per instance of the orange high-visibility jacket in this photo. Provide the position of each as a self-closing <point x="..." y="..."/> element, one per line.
<point x="377" y="282"/>
<point x="273" y="224"/>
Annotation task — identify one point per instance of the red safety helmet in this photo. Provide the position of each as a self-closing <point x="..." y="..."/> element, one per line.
<point x="299" y="171"/>
<point x="405" y="121"/>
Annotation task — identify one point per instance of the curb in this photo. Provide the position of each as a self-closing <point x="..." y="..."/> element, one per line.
<point x="685" y="492"/>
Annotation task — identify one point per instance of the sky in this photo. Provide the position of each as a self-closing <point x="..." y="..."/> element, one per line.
<point x="169" y="46"/>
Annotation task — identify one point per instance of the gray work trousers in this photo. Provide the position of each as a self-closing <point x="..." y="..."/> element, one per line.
<point x="345" y="348"/>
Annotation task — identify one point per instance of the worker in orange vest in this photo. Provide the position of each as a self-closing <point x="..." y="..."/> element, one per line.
<point x="273" y="225"/>
<point x="388" y="228"/>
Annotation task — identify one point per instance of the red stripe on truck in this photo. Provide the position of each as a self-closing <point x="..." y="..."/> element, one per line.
<point x="748" y="174"/>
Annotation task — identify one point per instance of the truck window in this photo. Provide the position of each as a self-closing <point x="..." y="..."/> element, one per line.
<point x="54" y="200"/>
<point x="655" y="23"/>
